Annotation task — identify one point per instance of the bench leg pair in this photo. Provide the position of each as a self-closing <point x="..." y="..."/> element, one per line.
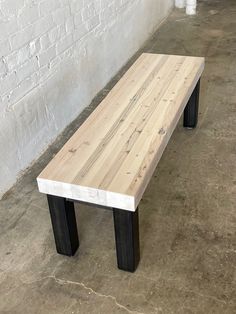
<point x="66" y="236"/>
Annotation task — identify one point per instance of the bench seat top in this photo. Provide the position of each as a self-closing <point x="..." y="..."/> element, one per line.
<point x="110" y="159"/>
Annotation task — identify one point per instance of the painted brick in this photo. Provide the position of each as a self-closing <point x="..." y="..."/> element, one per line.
<point x="22" y="37"/>
<point x="3" y="67"/>
<point x="93" y="22"/>
<point x="78" y="18"/>
<point x="76" y="5"/>
<point x="88" y="12"/>
<point x="7" y="28"/>
<point x="4" y="48"/>
<point x="28" y="16"/>
<point x="47" y="56"/>
<point x="54" y="34"/>
<point x="65" y="43"/>
<point x="8" y="83"/>
<point x="43" y="25"/>
<point x="34" y="47"/>
<point x="27" y="69"/>
<point x="12" y="60"/>
<point x="45" y="41"/>
<point x="60" y="15"/>
<point x="11" y="7"/>
<point x="62" y="31"/>
<point x="47" y="6"/>
<point x="23" y="54"/>
<point x="21" y="90"/>
<point x="80" y="32"/>
<point x="69" y="24"/>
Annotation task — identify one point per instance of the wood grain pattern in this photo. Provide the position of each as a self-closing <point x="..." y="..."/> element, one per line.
<point x="111" y="158"/>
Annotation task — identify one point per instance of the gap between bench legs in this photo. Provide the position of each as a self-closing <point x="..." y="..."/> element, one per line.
<point x="191" y="109"/>
<point x="126" y="224"/>
<point x="64" y="225"/>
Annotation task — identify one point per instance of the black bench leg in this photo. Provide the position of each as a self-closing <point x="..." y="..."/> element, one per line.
<point x="127" y="239"/>
<point x="191" y="110"/>
<point x="64" y="225"/>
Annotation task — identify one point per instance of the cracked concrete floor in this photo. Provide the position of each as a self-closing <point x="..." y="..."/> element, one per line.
<point x="187" y="215"/>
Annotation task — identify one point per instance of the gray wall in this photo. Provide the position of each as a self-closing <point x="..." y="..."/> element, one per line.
<point x="54" y="57"/>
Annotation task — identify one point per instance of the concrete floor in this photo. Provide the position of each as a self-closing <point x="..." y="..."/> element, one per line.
<point x="187" y="215"/>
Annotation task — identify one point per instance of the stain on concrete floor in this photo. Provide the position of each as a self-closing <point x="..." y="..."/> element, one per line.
<point x="187" y="215"/>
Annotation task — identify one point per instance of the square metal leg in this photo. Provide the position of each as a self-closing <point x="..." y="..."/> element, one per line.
<point x="191" y="109"/>
<point x="127" y="239"/>
<point x="64" y="225"/>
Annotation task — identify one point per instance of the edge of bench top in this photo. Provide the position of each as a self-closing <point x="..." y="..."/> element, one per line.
<point x="87" y="194"/>
<point x="149" y="79"/>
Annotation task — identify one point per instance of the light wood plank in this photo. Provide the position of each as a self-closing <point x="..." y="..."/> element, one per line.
<point x="111" y="158"/>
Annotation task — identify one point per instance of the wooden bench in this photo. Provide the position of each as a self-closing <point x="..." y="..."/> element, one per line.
<point x="111" y="158"/>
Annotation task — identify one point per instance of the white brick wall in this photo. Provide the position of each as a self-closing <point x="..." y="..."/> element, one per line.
<point x="55" y="55"/>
